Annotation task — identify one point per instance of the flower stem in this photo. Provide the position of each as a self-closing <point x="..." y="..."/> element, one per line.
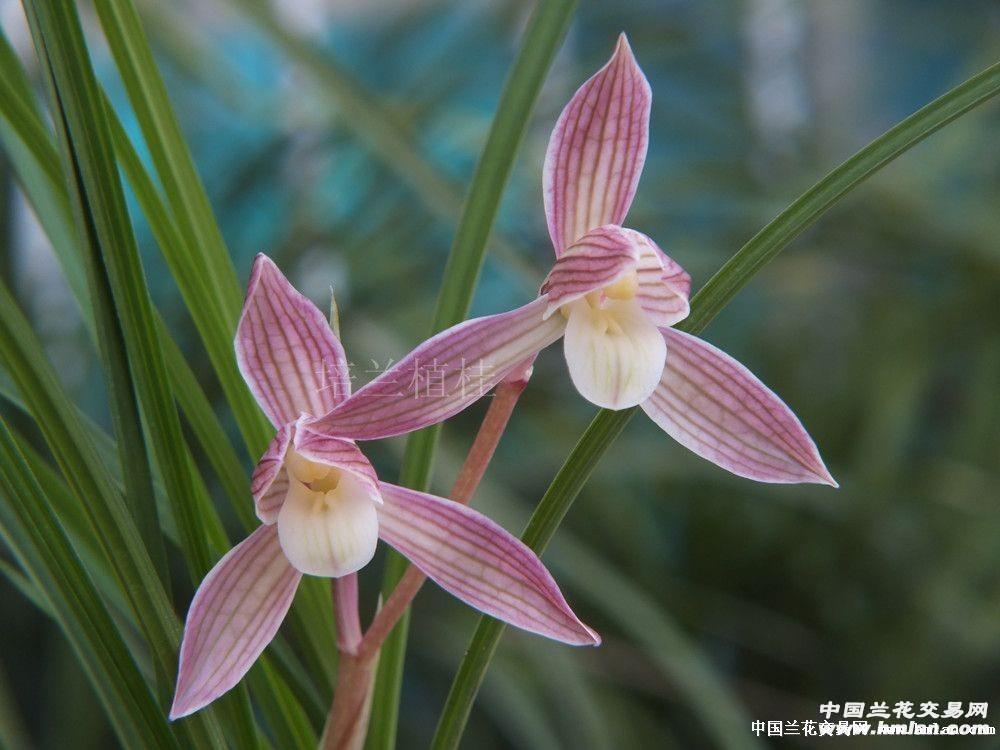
<point x="490" y="431"/>
<point x="347" y="722"/>
<point x="345" y="611"/>
<point x="391" y="611"/>
<point x="348" y="718"/>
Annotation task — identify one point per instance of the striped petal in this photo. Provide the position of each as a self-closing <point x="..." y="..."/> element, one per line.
<point x="596" y="151"/>
<point x="285" y="348"/>
<point x="663" y="286"/>
<point x="673" y="274"/>
<point x="444" y="374"/>
<point x="476" y="560"/>
<point x="716" y="407"/>
<point x="598" y="259"/>
<point x="234" y="615"/>
<point x="269" y="481"/>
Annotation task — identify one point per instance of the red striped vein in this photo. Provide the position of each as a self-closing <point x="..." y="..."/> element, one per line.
<point x="714" y="406"/>
<point x="479" y="562"/>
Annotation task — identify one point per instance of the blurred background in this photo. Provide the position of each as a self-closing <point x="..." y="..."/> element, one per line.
<point x="880" y="327"/>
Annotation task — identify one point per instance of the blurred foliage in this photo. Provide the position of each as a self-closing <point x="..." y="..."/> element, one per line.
<point x="880" y="329"/>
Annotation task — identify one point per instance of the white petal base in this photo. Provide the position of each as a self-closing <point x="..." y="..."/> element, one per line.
<point x="328" y="531"/>
<point x="614" y="352"/>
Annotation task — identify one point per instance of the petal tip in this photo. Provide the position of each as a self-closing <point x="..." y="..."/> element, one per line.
<point x="479" y="562"/>
<point x="817" y="471"/>
<point x="261" y="263"/>
<point x="823" y="476"/>
<point x="623" y="51"/>
<point x="182" y="706"/>
<point x="594" y="637"/>
<point x="263" y="266"/>
<point x="285" y="349"/>
<point x="234" y="615"/>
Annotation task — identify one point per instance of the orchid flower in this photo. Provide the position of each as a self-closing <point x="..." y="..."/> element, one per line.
<point x="612" y="297"/>
<point x="323" y="510"/>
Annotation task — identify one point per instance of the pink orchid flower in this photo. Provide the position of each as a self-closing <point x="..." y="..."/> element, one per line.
<point x="612" y="297"/>
<point x="324" y="509"/>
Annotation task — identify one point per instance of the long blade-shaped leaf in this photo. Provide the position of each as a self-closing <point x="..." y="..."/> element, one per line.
<point x="211" y="436"/>
<point x="22" y="129"/>
<point x="32" y="531"/>
<point x="112" y="258"/>
<point x="125" y="410"/>
<point x="542" y="38"/>
<point x="23" y="133"/>
<point x="705" y="305"/>
<point x="309" y="620"/>
<point x="24" y="124"/>
<point x="75" y="523"/>
<point x="282" y="707"/>
<point x="200" y="263"/>
<point x="86" y="473"/>
<point x="95" y="491"/>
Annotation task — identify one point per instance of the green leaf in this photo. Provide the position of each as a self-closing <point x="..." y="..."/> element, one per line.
<point x="112" y="258"/>
<point x="198" y="411"/>
<point x="310" y="620"/>
<point x="544" y="34"/>
<point x="705" y="305"/>
<point x="808" y="207"/>
<point x="36" y="164"/>
<point x="75" y="523"/>
<point x="23" y="584"/>
<point x="546" y="518"/>
<point x="32" y="531"/>
<point x="288" y="718"/>
<point x="125" y="410"/>
<point x="94" y="490"/>
<point x="200" y="263"/>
